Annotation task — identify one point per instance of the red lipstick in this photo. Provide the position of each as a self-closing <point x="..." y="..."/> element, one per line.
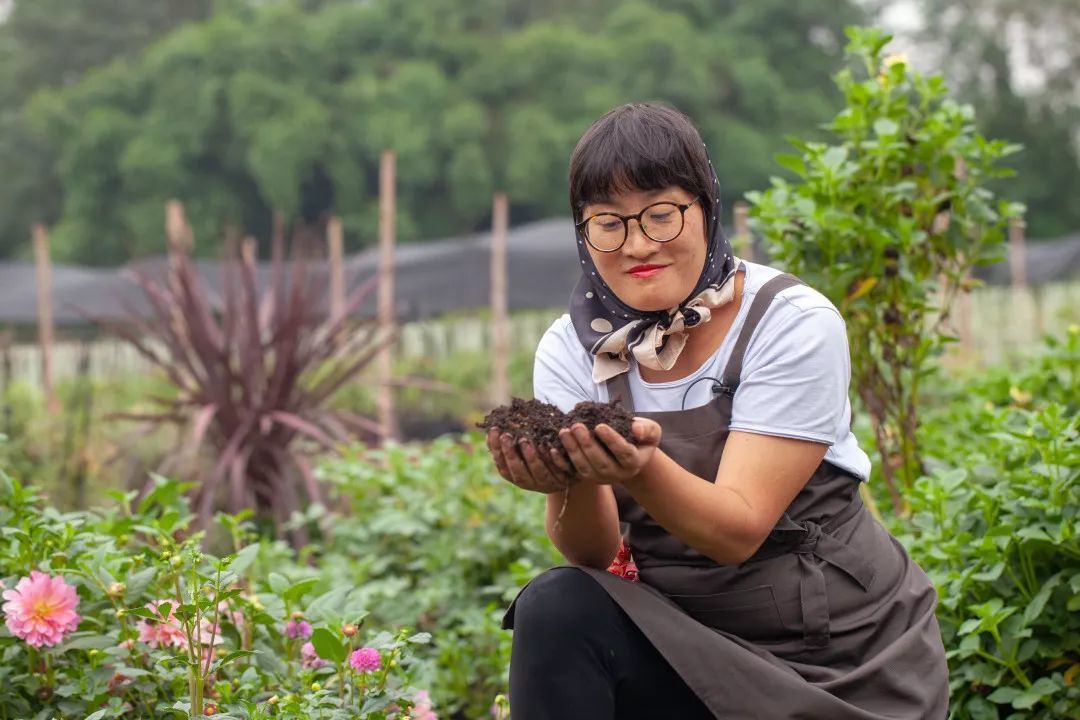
<point x="645" y="271"/>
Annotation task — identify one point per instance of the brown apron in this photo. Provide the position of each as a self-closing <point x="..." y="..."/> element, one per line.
<point x="829" y="620"/>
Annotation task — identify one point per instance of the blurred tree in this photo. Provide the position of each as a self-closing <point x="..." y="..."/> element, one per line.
<point x="54" y="43"/>
<point x="287" y="105"/>
<point x="1019" y="63"/>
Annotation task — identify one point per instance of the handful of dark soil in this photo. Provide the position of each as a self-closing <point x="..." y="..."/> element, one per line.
<point x="540" y="422"/>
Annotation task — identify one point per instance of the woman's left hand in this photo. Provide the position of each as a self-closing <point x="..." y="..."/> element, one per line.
<point x="606" y="457"/>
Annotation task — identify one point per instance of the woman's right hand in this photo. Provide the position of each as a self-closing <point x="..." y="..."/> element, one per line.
<point x="521" y="464"/>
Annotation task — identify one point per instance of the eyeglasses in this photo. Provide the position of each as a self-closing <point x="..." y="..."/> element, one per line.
<point x="661" y="222"/>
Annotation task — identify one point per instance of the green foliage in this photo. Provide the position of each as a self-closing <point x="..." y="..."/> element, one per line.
<point x="887" y="222"/>
<point x="1025" y="85"/>
<point x="79" y="453"/>
<point x="50" y="44"/>
<point x="286" y="106"/>
<point x="996" y="525"/>
<point x="167" y="630"/>
<point x="429" y="537"/>
<point x="437" y="539"/>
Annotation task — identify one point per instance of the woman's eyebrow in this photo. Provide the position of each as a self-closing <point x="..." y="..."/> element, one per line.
<point x="649" y="194"/>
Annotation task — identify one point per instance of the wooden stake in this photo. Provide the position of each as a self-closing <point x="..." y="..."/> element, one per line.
<point x="1017" y="253"/>
<point x="249" y="252"/>
<point x="177" y="230"/>
<point x="500" y="331"/>
<point x="179" y="238"/>
<point x="387" y="211"/>
<point x="46" y="331"/>
<point x="744" y="241"/>
<point x="335" y="240"/>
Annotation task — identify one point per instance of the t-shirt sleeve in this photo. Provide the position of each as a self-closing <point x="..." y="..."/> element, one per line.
<point x="795" y="377"/>
<point x="562" y="370"/>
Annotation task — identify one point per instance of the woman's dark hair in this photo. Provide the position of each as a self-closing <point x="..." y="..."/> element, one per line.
<point x="641" y="146"/>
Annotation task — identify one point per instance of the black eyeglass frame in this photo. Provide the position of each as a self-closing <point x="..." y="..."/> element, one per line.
<point x="683" y="207"/>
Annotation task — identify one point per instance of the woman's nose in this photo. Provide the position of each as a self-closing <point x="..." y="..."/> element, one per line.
<point x="638" y="244"/>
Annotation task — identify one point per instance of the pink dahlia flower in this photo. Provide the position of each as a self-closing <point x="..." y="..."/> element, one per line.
<point x="422" y="709"/>
<point x="297" y="629"/>
<point x="309" y="658"/>
<point x="365" y="659"/>
<point x="41" y="609"/>
<point x="162" y="632"/>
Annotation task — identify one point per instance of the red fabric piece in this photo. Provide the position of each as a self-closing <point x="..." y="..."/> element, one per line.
<point x="623" y="565"/>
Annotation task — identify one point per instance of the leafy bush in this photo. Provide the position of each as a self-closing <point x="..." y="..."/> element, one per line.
<point x="887" y="222"/>
<point x="996" y="524"/>
<point x="437" y="539"/>
<point x="142" y="623"/>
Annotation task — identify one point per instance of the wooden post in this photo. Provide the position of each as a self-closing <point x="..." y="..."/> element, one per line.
<point x="1017" y="253"/>
<point x="179" y="240"/>
<point x="6" y="340"/>
<point x="46" y="331"/>
<point x="387" y="211"/>
<point x="1024" y="306"/>
<point x="963" y="298"/>
<point x="277" y="237"/>
<point x="335" y="240"/>
<point x="744" y="241"/>
<point x="500" y="335"/>
<point x="177" y="230"/>
<point x="249" y="253"/>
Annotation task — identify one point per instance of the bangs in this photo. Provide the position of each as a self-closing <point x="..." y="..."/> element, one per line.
<point x="638" y="147"/>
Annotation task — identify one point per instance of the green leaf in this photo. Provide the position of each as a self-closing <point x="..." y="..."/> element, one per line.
<point x="243" y="559"/>
<point x="92" y="641"/>
<point x="138" y="582"/>
<point x="1027" y="700"/>
<point x="794" y="163"/>
<point x="834" y="157"/>
<point x="884" y="127"/>
<point x="328" y="645"/>
<point x="1004" y="695"/>
<point x="990" y="575"/>
<point x="97" y="715"/>
<point x="299" y="589"/>
<point x="142" y="612"/>
<point x="278" y="583"/>
<point x="1035" y="607"/>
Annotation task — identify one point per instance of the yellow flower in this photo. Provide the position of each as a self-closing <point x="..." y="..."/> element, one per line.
<point x="894" y="59"/>
<point x="887" y="62"/>
<point x="1019" y="397"/>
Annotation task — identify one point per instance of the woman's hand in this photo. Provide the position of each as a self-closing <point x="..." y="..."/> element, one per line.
<point x="522" y="466"/>
<point x="606" y="457"/>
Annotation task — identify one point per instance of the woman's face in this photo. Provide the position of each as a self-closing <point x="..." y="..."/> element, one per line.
<point x="645" y="274"/>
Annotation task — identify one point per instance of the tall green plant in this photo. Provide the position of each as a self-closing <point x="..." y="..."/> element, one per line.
<point x="887" y="221"/>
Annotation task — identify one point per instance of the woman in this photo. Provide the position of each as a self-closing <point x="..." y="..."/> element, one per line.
<point x="765" y="589"/>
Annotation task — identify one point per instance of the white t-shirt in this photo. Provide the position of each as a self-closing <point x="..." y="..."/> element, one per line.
<point x="794" y="380"/>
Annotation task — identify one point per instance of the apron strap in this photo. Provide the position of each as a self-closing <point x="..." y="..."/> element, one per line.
<point x="811" y="542"/>
<point x="618" y="389"/>
<point x="758" y="308"/>
<point x="619" y="386"/>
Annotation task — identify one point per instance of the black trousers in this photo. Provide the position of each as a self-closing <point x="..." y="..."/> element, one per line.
<point x="576" y="655"/>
